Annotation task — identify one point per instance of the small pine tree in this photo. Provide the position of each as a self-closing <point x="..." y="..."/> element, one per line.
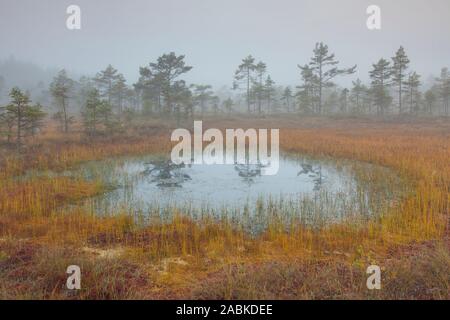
<point x="324" y="66"/>
<point x="36" y="117"/>
<point x="380" y="75"/>
<point x="412" y="92"/>
<point x="22" y="117"/>
<point x="357" y="96"/>
<point x="61" y="88"/>
<point x="287" y="98"/>
<point x="244" y="73"/>
<point x="269" y="90"/>
<point x="228" y="105"/>
<point x="91" y="113"/>
<point x="444" y="89"/>
<point x="399" y="66"/>
<point x="430" y="100"/>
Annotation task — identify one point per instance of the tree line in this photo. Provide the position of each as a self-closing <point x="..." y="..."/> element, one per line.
<point x="393" y="88"/>
<point x="106" y="102"/>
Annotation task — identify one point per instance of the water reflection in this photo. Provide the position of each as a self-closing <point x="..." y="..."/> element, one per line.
<point x="313" y="172"/>
<point x="152" y="182"/>
<point x="305" y="191"/>
<point x="166" y="173"/>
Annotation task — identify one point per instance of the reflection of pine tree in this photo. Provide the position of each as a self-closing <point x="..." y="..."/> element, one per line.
<point x="248" y="171"/>
<point x="315" y="173"/>
<point x="167" y="174"/>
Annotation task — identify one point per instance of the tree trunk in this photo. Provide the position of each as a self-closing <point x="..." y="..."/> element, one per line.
<point x="19" y="127"/>
<point x="400" y="93"/>
<point x="320" y="89"/>
<point x="248" y="90"/>
<point x="66" y="125"/>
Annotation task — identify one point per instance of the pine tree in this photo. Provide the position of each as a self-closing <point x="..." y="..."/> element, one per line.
<point x="306" y="96"/>
<point x="380" y="76"/>
<point x="244" y="73"/>
<point x="287" y="97"/>
<point x="119" y="92"/>
<point x="269" y="91"/>
<point x="357" y="95"/>
<point x="343" y="100"/>
<point x="83" y="87"/>
<point x="444" y="89"/>
<point x="165" y="72"/>
<point x="106" y="116"/>
<point x="215" y="101"/>
<point x="182" y="98"/>
<point x="324" y="67"/>
<point x="35" y="116"/>
<point x="430" y="100"/>
<point x="22" y="116"/>
<point x="61" y="89"/>
<point x="106" y="80"/>
<point x="91" y="113"/>
<point x="2" y="84"/>
<point x="7" y="122"/>
<point x="228" y="105"/>
<point x="149" y="89"/>
<point x="331" y="101"/>
<point x="412" y="91"/>
<point x="258" y="87"/>
<point x="399" y="67"/>
<point x="202" y="96"/>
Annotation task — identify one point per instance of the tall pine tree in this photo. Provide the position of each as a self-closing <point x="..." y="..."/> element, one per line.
<point x="324" y="67"/>
<point x="380" y="76"/>
<point x="244" y="74"/>
<point x="399" y="67"/>
<point x="61" y="89"/>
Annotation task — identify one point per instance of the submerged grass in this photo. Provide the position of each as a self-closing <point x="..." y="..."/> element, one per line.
<point x="213" y="257"/>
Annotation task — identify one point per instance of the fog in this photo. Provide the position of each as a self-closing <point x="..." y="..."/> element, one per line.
<point x="224" y="150"/>
<point x="216" y="35"/>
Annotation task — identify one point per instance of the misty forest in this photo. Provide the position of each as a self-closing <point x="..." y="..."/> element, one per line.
<point x="358" y="208"/>
<point x="106" y="103"/>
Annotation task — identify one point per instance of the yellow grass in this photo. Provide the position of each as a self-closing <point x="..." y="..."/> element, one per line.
<point x="40" y="234"/>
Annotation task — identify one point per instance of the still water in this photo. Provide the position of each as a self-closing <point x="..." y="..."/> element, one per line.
<point x="146" y="183"/>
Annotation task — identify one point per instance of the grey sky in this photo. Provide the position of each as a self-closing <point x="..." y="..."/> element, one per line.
<point x="215" y="35"/>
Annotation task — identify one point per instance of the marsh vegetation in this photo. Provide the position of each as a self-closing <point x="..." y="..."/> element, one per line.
<point x="364" y="180"/>
<point x="305" y="191"/>
<point x="58" y="212"/>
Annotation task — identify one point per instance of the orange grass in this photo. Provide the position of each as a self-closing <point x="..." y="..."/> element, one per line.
<point x="35" y="211"/>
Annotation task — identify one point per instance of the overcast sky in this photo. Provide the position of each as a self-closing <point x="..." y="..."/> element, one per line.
<point x="215" y="35"/>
